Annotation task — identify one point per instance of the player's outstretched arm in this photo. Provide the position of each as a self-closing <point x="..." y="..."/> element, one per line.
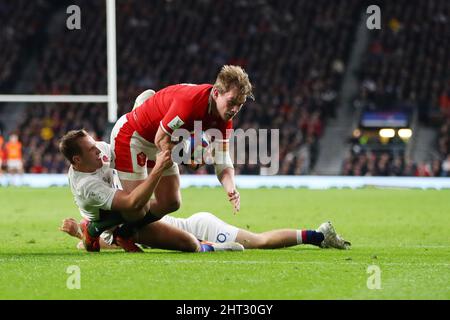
<point x="224" y="169"/>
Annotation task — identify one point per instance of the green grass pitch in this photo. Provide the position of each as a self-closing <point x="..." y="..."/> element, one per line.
<point x="403" y="232"/>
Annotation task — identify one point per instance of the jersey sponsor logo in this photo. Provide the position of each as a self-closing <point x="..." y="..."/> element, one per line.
<point x="141" y="159"/>
<point x="176" y="123"/>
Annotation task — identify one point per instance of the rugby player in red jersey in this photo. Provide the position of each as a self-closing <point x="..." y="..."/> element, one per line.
<point x="140" y="134"/>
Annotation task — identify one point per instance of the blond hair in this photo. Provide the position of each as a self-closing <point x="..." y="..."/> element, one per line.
<point x="231" y="77"/>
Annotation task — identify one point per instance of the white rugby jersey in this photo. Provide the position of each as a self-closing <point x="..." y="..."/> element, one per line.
<point x="95" y="191"/>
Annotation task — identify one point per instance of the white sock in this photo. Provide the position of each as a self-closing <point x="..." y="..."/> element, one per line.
<point x="299" y="237"/>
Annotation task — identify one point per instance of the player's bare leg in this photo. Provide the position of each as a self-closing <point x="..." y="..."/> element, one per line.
<point x="163" y="236"/>
<point x="209" y="227"/>
<point x="325" y="236"/>
<point x="267" y="240"/>
<point x="167" y="199"/>
<point x="167" y="196"/>
<point x="158" y="235"/>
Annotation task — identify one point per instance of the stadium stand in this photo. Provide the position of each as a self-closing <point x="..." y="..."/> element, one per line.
<point x="21" y="20"/>
<point x="444" y="147"/>
<point x="407" y="63"/>
<point x="297" y="97"/>
<point x="42" y="125"/>
<point x="294" y="51"/>
<point x="406" y="67"/>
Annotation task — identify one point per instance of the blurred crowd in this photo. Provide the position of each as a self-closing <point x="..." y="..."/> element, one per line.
<point x="294" y="51"/>
<point x="444" y="146"/>
<point x="407" y="62"/>
<point x="20" y="22"/>
<point x="43" y="125"/>
<point x="386" y="164"/>
<point x="407" y="65"/>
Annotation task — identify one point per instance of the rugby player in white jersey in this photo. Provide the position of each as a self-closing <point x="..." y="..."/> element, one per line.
<point x="206" y="226"/>
<point x="104" y="205"/>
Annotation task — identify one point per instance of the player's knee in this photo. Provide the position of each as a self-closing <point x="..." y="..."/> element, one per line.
<point x="191" y="244"/>
<point x="173" y="205"/>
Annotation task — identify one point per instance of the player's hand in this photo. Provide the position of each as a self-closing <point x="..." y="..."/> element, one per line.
<point x="235" y="199"/>
<point x="71" y="227"/>
<point x="164" y="160"/>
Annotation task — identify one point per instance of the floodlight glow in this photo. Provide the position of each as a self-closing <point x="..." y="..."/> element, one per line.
<point x="405" y="133"/>
<point x="387" y="133"/>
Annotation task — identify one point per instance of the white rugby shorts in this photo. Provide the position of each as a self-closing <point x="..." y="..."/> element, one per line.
<point x="205" y="226"/>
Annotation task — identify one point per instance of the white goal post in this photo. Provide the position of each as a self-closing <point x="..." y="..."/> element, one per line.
<point x="110" y="98"/>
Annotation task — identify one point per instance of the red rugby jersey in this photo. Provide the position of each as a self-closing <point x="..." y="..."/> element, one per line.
<point x="175" y="107"/>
